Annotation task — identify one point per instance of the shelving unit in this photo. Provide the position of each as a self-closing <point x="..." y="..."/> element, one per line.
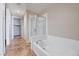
<point x="16" y="26"/>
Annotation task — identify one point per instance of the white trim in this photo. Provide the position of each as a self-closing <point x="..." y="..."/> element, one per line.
<point x="12" y="28"/>
<point x="2" y="30"/>
<point x="4" y="27"/>
<point x="29" y="29"/>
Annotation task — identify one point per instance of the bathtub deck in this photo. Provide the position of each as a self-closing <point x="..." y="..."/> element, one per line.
<point x="19" y="47"/>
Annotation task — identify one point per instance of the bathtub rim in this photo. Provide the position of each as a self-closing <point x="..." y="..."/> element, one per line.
<point x="38" y="46"/>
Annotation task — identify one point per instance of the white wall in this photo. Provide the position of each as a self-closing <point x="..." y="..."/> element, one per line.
<point x="63" y="20"/>
<point x="2" y="29"/>
<point x="22" y="27"/>
<point x="25" y="26"/>
<point x="8" y="26"/>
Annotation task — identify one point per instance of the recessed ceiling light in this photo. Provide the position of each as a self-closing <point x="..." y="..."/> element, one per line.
<point x="18" y="11"/>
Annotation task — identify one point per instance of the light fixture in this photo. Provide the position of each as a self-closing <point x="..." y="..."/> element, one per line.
<point x="18" y="11"/>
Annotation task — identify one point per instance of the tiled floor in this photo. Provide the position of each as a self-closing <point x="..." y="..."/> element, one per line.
<point x="19" y="47"/>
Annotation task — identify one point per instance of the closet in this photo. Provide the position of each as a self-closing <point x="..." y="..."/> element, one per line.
<point x="16" y="26"/>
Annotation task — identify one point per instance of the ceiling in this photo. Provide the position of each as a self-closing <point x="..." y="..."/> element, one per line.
<point x="20" y="8"/>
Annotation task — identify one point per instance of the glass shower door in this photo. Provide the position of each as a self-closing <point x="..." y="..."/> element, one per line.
<point x="32" y="24"/>
<point x="41" y="26"/>
<point x="37" y="25"/>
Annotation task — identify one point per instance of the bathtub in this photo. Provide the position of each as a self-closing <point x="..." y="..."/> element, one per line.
<point x="54" y="46"/>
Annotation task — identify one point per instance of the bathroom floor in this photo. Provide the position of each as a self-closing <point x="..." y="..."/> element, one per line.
<point x="19" y="47"/>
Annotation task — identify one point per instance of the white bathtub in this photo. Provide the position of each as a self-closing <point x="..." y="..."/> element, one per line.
<point x="55" y="46"/>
